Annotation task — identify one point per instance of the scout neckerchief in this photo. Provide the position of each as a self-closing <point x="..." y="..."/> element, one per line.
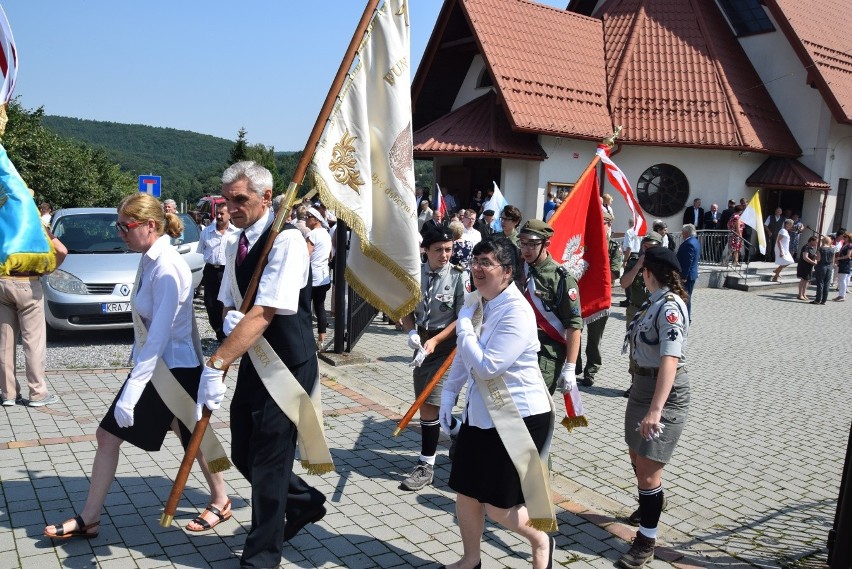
<point x="180" y="403"/>
<point x="530" y="465"/>
<point x="303" y="409"/>
<point x="548" y="321"/>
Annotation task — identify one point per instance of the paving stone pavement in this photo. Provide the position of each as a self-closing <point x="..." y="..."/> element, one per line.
<point x="754" y="481"/>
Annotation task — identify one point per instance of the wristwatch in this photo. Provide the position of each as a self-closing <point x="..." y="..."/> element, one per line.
<point x="217" y="363"/>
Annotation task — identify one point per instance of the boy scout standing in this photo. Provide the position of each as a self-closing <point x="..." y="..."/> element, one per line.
<point x="432" y="328"/>
<point x="555" y="299"/>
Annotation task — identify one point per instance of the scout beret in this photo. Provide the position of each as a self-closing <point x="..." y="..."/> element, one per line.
<point x="488" y="212"/>
<point x="663" y="257"/>
<point x="432" y="234"/>
<point x="607" y="217"/>
<point x="537" y="229"/>
<point x="653" y="236"/>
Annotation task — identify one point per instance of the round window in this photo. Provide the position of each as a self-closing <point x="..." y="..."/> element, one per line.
<point x="662" y="190"/>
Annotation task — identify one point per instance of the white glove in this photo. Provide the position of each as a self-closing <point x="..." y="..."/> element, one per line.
<point x="232" y="318"/>
<point x="211" y="390"/>
<point x="414" y="340"/>
<point x="566" y="381"/>
<point x="127" y="401"/>
<point x="445" y="414"/>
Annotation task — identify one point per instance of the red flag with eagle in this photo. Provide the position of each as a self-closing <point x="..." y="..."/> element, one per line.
<point x="579" y="244"/>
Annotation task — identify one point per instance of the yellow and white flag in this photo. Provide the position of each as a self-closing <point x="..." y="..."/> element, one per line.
<point x="753" y="217"/>
<point x="364" y="166"/>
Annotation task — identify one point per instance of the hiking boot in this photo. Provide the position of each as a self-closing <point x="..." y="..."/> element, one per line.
<point x="421" y="476"/>
<point x="640" y="553"/>
<point x="635" y="518"/>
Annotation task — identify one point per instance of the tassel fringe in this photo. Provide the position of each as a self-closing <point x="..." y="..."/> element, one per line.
<point x="543" y="524"/>
<point x="571" y="422"/>
<point x="317" y="468"/>
<point x="219" y="465"/>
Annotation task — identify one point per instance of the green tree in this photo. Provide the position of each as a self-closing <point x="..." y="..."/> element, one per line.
<point x="62" y="172"/>
<point x="239" y="151"/>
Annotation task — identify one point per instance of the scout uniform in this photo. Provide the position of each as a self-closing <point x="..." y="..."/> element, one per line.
<point x="555" y="298"/>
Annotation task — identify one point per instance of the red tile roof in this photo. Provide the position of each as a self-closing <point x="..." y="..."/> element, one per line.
<point x="678" y="76"/>
<point x="819" y="32"/>
<point x="786" y="174"/>
<point x="479" y="128"/>
<point x="547" y="63"/>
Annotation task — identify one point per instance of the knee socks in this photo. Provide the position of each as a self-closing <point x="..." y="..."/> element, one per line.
<point x="430" y="431"/>
<point x="650" y="508"/>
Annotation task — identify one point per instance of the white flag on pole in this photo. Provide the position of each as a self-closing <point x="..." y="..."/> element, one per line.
<point x="364" y="166"/>
<point x="496" y="202"/>
<point x="752" y="217"/>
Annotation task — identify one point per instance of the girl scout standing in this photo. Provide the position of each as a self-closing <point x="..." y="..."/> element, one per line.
<point x="659" y="400"/>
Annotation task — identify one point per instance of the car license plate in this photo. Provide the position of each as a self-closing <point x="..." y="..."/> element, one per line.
<point x="115" y="307"/>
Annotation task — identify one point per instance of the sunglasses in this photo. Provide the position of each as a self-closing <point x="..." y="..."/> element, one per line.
<point x="125" y="227"/>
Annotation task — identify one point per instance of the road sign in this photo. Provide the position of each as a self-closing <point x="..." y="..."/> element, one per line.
<point x="150" y="185"/>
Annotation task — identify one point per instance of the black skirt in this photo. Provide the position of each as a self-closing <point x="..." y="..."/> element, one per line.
<point x="151" y="417"/>
<point x="482" y="469"/>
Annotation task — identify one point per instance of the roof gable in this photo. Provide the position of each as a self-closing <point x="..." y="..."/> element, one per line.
<point x="786" y="174"/>
<point x="678" y="76"/>
<point x="819" y="32"/>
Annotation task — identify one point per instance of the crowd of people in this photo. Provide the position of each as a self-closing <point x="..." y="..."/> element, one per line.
<point x="496" y="310"/>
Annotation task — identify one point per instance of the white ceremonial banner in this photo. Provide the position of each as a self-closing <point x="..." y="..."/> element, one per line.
<point x="364" y="166"/>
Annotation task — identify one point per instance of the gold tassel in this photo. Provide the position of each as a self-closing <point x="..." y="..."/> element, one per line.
<point x="5" y="119"/>
<point x="318" y="468"/>
<point x="571" y="422"/>
<point x="219" y="464"/>
<point x="543" y="524"/>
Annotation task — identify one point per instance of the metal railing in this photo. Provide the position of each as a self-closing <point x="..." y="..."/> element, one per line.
<point x="716" y="250"/>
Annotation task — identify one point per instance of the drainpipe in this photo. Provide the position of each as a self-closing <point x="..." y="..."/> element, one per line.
<point x="822" y="212"/>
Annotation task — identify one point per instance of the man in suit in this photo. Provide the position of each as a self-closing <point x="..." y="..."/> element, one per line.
<point x="688" y="254"/>
<point x="727" y="214"/>
<point x="694" y="214"/>
<point x="716" y="243"/>
<point x="484" y="225"/>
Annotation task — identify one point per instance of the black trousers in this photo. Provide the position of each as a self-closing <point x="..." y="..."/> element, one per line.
<point x="211" y="278"/>
<point x="263" y="447"/>
<point x="318" y="294"/>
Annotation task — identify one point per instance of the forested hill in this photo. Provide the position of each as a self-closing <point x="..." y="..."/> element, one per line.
<point x="190" y="163"/>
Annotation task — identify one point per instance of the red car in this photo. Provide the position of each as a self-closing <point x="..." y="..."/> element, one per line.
<point x="205" y="210"/>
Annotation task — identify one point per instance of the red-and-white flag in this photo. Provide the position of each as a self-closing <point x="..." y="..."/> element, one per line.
<point x="8" y="59"/>
<point x="438" y="204"/>
<point x="619" y="180"/>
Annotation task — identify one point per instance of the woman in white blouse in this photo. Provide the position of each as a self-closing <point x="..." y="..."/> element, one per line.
<point x="503" y="352"/>
<point x="165" y="330"/>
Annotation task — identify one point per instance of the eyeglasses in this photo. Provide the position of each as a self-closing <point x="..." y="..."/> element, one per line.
<point x="125" y="227"/>
<point x="485" y="263"/>
<point x="530" y="244"/>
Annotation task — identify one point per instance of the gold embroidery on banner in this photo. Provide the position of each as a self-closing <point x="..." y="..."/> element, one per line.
<point x="396" y="70"/>
<point x="344" y="161"/>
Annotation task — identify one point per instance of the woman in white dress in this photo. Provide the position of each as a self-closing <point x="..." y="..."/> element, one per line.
<point x="782" y="249"/>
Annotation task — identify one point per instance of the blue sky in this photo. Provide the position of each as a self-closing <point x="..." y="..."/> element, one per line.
<point x="207" y="66"/>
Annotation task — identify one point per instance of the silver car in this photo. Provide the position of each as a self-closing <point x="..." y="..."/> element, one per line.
<point x="91" y="289"/>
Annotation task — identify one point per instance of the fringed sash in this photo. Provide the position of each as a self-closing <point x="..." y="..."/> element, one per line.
<point x="530" y="465"/>
<point x="304" y="410"/>
<point x="180" y="403"/>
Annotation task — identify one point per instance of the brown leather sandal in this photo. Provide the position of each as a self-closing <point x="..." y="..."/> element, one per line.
<point x="221" y="515"/>
<point x="82" y="530"/>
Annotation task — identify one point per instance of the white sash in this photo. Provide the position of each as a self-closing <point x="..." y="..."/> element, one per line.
<point x="547" y="320"/>
<point x="178" y="401"/>
<point x="530" y="465"/>
<point x="304" y="410"/>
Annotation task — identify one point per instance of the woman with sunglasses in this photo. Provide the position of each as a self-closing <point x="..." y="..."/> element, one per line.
<point x="508" y="413"/>
<point x="659" y="398"/>
<point x="163" y="383"/>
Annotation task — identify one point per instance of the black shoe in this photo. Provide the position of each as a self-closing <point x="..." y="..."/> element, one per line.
<point x="586" y="382"/>
<point x="624" y="303"/>
<point x="292" y="527"/>
<point x="814" y="302"/>
<point x="627" y="392"/>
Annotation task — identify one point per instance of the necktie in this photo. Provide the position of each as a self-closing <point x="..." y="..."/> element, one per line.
<point x="427" y="299"/>
<point x="242" y="249"/>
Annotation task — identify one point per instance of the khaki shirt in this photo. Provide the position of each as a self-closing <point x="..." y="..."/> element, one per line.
<point x="546" y="278"/>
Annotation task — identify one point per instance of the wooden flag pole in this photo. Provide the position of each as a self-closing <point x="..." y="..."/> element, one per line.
<point x="277" y="225"/>
<point x="427" y="390"/>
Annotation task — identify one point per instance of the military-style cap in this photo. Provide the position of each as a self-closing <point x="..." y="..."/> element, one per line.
<point x="488" y="212"/>
<point x="536" y="229"/>
<point x="653" y="236"/>
<point x="607" y="217"/>
<point x="662" y="256"/>
<point x="432" y="234"/>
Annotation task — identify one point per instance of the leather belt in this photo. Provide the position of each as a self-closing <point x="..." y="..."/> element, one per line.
<point x="428" y="334"/>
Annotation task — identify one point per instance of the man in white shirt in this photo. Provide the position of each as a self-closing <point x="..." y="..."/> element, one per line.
<point x="471" y="235"/>
<point x="211" y="244"/>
